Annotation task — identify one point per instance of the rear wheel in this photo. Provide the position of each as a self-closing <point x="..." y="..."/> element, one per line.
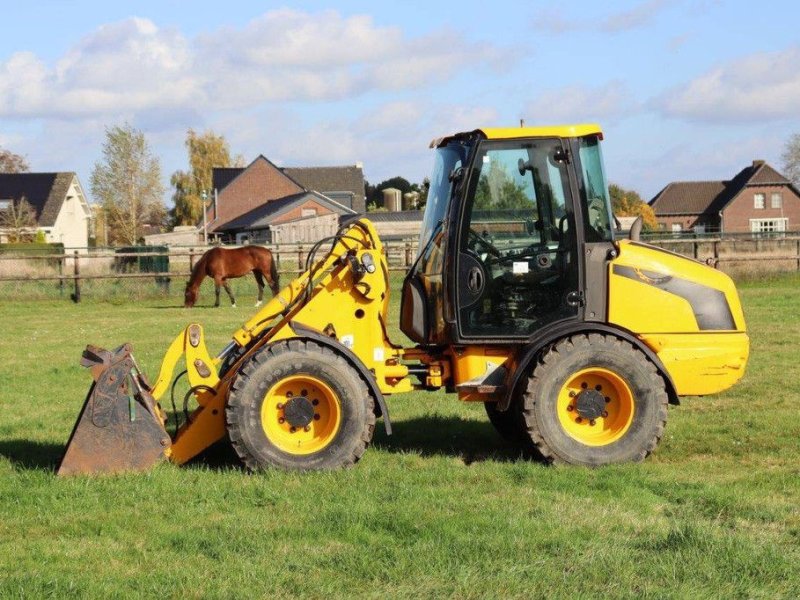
<point x="299" y="405"/>
<point x="595" y="399"/>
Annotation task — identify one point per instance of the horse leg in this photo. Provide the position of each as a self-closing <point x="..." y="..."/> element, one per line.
<point x="216" y="294"/>
<point x="260" y="283"/>
<point x="230" y="293"/>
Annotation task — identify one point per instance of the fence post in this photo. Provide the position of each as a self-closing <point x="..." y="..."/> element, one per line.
<point x="407" y="257"/>
<point x="278" y="257"/>
<point x="76" y="296"/>
<point x="191" y="259"/>
<point x="300" y="259"/>
<point x="716" y="254"/>
<point x="798" y="254"/>
<point x="61" y="261"/>
<point x="695" y="245"/>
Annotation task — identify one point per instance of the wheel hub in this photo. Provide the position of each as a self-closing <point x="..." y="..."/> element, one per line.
<point x="298" y="411"/>
<point x="590" y="404"/>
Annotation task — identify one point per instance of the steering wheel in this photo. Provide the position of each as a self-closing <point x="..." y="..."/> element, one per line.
<point x="476" y="238"/>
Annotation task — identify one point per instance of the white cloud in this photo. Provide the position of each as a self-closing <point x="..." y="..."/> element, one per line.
<point x="580" y="103"/>
<point x="134" y="65"/>
<point x="763" y="86"/>
<point x="555" y="21"/>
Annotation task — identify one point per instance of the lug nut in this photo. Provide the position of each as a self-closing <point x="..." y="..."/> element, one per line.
<point x="289" y="394"/>
<point x="315" y="402"/>
<point x="304" y="392"/>
<point x="292" y="429"/>
<point x="591" y="422"/>
<point x="307" y="428"/>
<point x="598" y="387"/>
<point x="584" y="385"/>
<point x="570" y="408"/>
<point x="281" y="420"/>
<point x="579" y="420"/>
<point x="571" y="393"/>
<point x="605" y="414"/>
<point x="608" y="399"/>
<point x="280" y="406"/>
<point x="316" y="417"/>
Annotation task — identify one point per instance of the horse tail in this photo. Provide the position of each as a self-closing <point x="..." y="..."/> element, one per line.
<point x="273" y="273"/>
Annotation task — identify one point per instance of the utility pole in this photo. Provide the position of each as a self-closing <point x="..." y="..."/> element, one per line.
<point x="203" y="197"/>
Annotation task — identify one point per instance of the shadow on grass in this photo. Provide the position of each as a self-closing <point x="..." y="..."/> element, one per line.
<point x="27" y="454"/>
<point x="470" y="441"/>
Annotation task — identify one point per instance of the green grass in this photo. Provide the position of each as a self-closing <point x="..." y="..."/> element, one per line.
<point x="443" y="508"/>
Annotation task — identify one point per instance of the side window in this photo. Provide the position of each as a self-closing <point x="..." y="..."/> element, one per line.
<point x="517" y="260"/>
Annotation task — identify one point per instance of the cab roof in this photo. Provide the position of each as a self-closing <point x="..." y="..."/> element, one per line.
<point x="509" y="133"/>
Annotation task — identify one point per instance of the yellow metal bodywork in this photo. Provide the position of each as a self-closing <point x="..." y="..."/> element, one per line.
<point x="332" y="299"/>
<point x="648" y="300"/>
<point x="549" y="131"/>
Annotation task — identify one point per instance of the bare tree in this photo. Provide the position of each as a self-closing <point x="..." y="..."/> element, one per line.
<point x="12" y="163"/>
<point x="18" y="221"/>
<point x="127" y="182"/>
<point x="791" y="159"/>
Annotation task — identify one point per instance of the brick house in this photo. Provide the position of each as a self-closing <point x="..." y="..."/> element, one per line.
<point x="758" y="199"/>
<point x="62" y="212"/>
<point x="309" y="191"/>
<point x="301" y="217"/>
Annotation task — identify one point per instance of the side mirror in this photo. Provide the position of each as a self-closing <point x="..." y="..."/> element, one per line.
<point x="523" y="165"/>
<point x="636" y="229"/>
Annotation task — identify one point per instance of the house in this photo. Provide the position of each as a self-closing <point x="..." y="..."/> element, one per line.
<point x="397" y="225"/>
<point x="62" y="212"/>
<point x="297" y="218"/>
<point x="758" y="199"/>
<point x="241" y="196"/>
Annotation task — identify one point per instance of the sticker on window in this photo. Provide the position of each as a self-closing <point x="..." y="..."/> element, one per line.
<point x="520" y="268"/>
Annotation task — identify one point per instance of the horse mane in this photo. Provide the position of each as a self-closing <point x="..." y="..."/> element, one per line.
<point x="198" y="270"/>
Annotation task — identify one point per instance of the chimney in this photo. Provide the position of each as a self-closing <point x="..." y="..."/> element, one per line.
<point x="758" y="163"/>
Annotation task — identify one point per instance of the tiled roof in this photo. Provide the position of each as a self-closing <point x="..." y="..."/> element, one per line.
<point x="45" y="192"/>
<point x="710" y="197"/>
<point x="331" y="179"/>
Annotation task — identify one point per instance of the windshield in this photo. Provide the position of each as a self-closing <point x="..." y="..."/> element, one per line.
<point x="447" y="159"/>
<point x="595" y="191"/>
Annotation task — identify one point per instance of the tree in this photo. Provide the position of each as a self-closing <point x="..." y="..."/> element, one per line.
<point x="206" y="151"/>
<point x="19" y="221"/>
<point x="791" y="159"/>
<point x="127" y="182"/>
<point x="628" y="203"/>
<point x="12" y="163"/>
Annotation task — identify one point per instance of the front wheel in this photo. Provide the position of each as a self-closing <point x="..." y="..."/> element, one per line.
<point x="593" y="400"/>
<point x="298" y="405"/>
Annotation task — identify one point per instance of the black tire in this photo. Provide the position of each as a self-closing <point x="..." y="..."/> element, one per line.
<point x="638" y="430"/>
<point x="510" y="424"/>
<point x="277" y="367"/>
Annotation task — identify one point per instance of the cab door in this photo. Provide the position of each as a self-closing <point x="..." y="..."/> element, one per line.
<point x="517" y="267"/>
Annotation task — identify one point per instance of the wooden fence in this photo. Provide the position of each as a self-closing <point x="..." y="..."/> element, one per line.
<point x="71" y="270"/>
<point x="77" y="267"/>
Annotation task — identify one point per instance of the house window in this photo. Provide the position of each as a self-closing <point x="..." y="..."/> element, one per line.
<point x="759" y="200"/>
<point x="308" y="212"/>
<point x="768" y="225"/>
<point x="5" y="204"/>
<point x="776" y="200"/>
<point x="676" y="228"/>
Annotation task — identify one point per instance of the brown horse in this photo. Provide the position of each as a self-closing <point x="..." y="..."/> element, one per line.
<point x="222" y="264"/>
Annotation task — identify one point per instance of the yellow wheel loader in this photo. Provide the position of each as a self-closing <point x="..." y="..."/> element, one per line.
<point x="520" y="298"/>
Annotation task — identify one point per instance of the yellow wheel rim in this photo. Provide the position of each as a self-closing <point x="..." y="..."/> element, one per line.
<point x="595" y="406"/>
<point x="301" y="414"/>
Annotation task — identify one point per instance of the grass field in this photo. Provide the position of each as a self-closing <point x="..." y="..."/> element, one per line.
<point x="443" y="508"/>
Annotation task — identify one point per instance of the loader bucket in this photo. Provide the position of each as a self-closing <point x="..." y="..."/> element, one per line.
<point x="120" y="427"/>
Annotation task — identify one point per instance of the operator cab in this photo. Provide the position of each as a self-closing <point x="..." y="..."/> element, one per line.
<point x="507" y="212"/>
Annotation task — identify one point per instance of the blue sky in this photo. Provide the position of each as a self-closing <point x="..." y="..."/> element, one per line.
<point x="684" y="90"/>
